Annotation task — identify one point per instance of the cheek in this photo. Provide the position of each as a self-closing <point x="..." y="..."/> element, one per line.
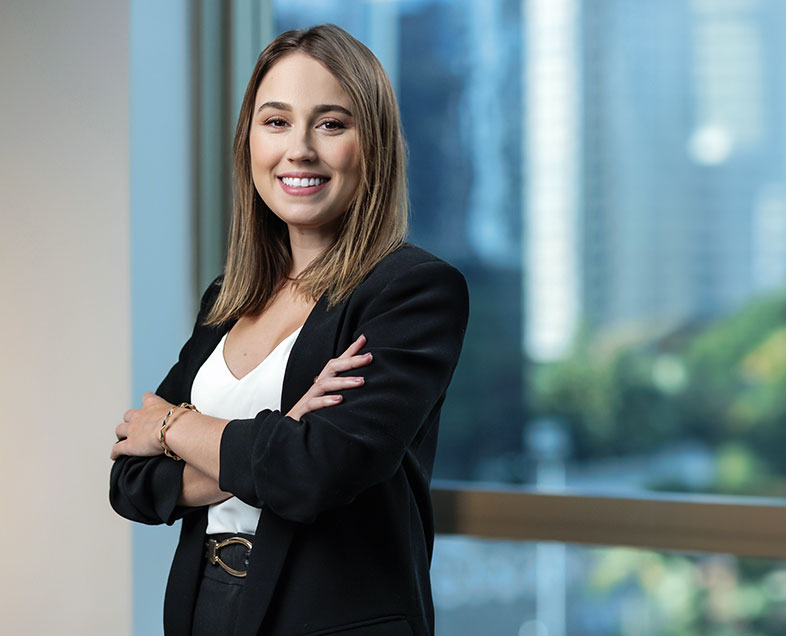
<point x="349" y="160"/>
<point x="264" y="159"/>
<point x="259" y="152"/>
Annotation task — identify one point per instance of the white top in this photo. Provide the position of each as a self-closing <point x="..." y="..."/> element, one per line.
<point x="218" y="393"/>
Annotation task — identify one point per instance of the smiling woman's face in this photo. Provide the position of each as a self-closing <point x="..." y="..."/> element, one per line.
<point x="305" y="153"/>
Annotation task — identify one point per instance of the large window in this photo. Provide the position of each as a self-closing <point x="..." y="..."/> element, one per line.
<point x="610" y="176"/>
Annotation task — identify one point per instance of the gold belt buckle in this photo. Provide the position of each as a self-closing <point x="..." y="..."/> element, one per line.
<point x="214" y="546"/>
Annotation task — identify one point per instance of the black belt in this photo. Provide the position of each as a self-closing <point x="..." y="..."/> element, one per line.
<point x="217" y="542"/>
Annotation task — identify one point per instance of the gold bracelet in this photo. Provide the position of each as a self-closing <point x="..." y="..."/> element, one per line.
<point x="162" y="433"/>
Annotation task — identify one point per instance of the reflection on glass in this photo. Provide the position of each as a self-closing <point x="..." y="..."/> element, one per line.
<point x="610" y="176"/>
<point x="511" y="588"/>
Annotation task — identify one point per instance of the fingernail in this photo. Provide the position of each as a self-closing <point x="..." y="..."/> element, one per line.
<point x="357" y="380"/>
<point x="368" y="355"/>
<point x="335" y="398"/>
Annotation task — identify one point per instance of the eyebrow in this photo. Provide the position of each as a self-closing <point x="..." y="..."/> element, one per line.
<point x="318" y="110"/>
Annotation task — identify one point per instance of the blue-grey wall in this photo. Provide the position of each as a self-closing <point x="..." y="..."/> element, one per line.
<point x="162" y="260"/>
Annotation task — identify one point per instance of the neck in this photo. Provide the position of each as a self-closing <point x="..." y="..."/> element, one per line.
<point x="306" y="247"/>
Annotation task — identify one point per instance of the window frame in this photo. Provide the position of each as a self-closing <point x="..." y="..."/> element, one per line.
<point x="742" y="526"/>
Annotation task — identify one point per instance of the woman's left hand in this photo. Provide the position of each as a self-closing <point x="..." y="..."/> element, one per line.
<point x="138" y="433"/>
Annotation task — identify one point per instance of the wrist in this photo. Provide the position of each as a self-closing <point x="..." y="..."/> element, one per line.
<point x="174" y="414"/>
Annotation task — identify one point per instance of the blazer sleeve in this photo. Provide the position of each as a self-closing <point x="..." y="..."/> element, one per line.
<point x="146" y="489"/>
<point x="415" y="328"/>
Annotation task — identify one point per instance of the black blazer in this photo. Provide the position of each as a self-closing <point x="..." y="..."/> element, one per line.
<point x="345" y="536"/>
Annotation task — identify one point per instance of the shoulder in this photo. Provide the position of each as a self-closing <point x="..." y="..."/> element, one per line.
<point x="415" y="284"/>
<point x="207" y="301"/>
<point x="410" y="261"/>
<point x="409" y="255"/>
<point x="211" y="293"/>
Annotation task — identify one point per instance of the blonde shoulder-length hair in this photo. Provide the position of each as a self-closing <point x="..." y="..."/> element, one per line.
<point x="259" y="257"/>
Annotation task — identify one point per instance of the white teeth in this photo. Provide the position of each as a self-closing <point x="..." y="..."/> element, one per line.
<point x="296" y="182"/>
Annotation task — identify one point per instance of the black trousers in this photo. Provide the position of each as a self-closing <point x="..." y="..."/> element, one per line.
<point x="218" y="599"/>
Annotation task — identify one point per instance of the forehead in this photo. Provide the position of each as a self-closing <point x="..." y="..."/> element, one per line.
<point x="301" y="81"/>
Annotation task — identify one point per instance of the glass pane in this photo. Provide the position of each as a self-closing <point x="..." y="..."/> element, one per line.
<point x="525" y="589"/>
<point x="610" y="176"/>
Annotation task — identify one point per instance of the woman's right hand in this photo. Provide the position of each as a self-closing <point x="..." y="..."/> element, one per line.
<point x="329" y="380"/>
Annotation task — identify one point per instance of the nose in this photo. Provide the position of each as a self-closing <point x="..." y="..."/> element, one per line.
<point x="300" y="147"/>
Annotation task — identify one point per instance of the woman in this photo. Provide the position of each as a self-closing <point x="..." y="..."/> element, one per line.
<point x="317" y="369"/>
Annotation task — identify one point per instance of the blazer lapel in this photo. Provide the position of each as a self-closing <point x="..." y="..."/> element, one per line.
<point x="271" y="544"/>
<point x="314" y="346"/>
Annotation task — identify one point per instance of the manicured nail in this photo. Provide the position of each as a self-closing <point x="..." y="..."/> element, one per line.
<point x="357" y="380"/>
<point x="335" y="398"/>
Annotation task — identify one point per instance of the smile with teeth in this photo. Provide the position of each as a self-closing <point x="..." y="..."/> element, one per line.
<point x="295" y="182"/>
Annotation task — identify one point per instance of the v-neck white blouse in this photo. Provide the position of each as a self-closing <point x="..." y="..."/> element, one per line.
<point x="217" y="392"/>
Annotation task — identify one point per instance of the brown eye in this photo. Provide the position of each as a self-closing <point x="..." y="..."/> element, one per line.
<point x="332" y="124"/>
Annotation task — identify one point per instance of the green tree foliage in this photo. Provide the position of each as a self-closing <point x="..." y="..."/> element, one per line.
<point x="723" y="383"/>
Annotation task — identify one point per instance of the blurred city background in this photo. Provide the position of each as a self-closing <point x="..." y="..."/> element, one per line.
<point x="610" y="176"/>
